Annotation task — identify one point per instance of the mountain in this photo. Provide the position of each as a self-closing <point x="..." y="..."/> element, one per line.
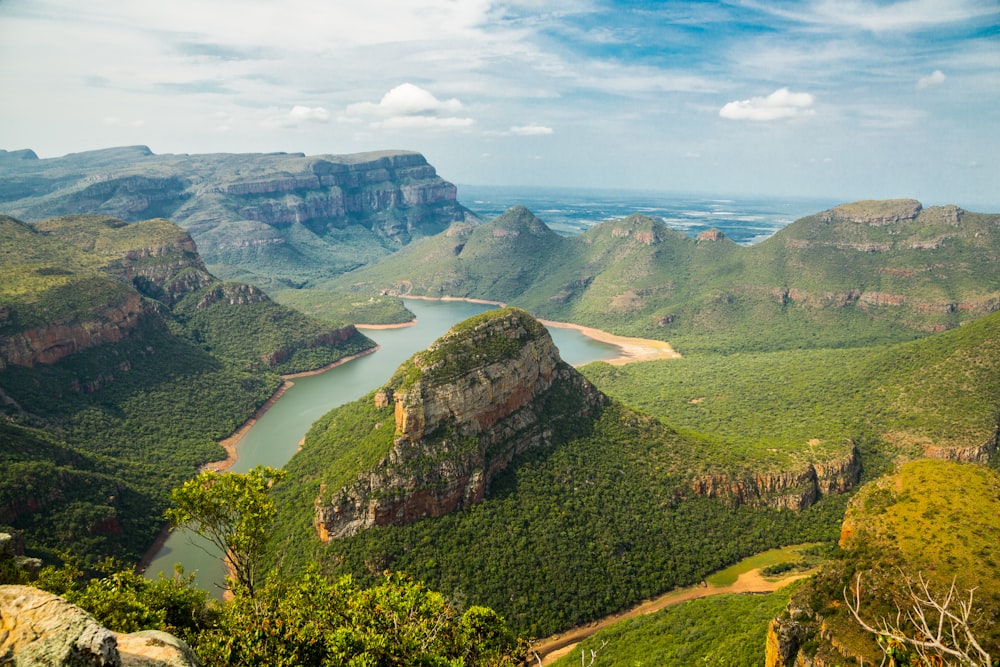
<point x="271" y="219"/>
<point x="486" y="465"/>
<point x="859" y="274"/>
<point x="123" y="362"/>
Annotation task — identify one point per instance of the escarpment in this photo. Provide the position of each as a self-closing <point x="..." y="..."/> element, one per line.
<point x="492" y="388"/>
<point x="279" y="216"/>
<point x="792" y="489"/>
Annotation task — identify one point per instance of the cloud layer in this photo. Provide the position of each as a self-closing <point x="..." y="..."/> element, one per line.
<point x="587" y="92"/>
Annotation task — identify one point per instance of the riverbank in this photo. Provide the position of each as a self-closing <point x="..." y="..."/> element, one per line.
<point x="551" y="649"/>
<point x="231" y="443"/>
<point x="632" y="349"/>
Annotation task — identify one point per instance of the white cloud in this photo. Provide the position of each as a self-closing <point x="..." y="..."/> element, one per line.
<point x="297" y="115"/>
<point x="779" y="105"/>
<point x="406" y="100"/>
<point x="301" y="113"/>
<point x="530" y="130"/>
<point x="410" y="106"/>
<point x="115" y="121"/>
<point x="904" y="15"/>
<point x="932" y="79"/>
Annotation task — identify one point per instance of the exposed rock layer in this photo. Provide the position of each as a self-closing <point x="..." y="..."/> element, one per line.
<point x="793" y="489"/>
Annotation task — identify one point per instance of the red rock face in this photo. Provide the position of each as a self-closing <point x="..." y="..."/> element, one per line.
<point x="49" y="344"/>
<point x="797" y="489"/>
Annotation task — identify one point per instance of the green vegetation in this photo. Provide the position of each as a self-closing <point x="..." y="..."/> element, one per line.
<point x="725" y="630"/>
<point x="336" y="306"/>
<point x="771" y="562"/>
<point x="234" y="513"/>
<point x="306" y="621"/>
<point x="566" y="535"/>
<point x="768" y="411"/>
<point x="822" y="282"/>
<point x="932" y="519"/>
<point x="104" y="432"/>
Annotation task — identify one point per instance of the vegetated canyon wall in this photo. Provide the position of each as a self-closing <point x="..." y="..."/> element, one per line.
<point x="792" y="489"/>
<point x="462" y="411"/>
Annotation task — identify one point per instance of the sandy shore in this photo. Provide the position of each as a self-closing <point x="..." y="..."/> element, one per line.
<point x="556" y="646"/>
<point x="230" y="444"/>
<point x="632" y="349"/>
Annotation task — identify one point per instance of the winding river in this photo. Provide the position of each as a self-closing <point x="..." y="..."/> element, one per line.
<point x="276" y="435"/>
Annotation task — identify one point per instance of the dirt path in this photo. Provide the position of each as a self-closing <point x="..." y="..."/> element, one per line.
<point x="556" y="646"/>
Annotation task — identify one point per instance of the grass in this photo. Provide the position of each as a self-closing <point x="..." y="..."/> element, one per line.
<point x="790" y="554"/>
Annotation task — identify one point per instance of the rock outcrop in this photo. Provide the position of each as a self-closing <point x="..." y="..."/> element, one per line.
<point x="793" y="489"/>
<point x="492" y="388"/>
<point x="40" y="629"/>
<point x="111" y="323"/>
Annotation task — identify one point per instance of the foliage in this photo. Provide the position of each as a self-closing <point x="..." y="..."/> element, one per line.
<point x="772" y="410"/>
<point x="566" y="535"/>
<point x="233" y="511"/>
<point x="123" y="600"/>
<point x="718" y="630"/>
<point x="313" y="620"/>
<point x="932" y="517"/>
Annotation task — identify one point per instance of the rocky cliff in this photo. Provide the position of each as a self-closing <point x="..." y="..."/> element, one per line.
<point x="280" y="214"/>
<point x="492" y="388"/>
<point x="791" y="489"/>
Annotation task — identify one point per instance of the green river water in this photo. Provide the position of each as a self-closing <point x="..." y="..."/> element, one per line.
<point x="276" y="435"/>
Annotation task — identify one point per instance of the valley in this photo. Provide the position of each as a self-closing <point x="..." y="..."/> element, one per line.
<point x="743" y="396"/>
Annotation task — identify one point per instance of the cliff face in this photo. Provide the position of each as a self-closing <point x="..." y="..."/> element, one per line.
<point x="793" y="489"/>
<point x="111" y="323"/>
<point x="463" y="410"/>
<point x="277" y="215"/>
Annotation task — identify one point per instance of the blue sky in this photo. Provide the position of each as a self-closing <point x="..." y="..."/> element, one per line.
<point x="844" y="99"/>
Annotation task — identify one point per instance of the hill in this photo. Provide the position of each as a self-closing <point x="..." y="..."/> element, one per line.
<point x="488" y="467"/>
<point x="122" y="362"/>
<point x="856" y="275"/>
<point x="272" y="219"/>
<point x="933" y="520"/>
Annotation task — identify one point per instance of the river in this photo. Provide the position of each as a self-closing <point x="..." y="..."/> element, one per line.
<point x="276" y="435"/>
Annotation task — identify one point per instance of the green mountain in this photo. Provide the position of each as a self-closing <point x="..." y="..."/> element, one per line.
<point x="734" y="454"/>
<point x="859" y="274"/>
<point x="274" y="219"/>
<point x="122" y="363"/>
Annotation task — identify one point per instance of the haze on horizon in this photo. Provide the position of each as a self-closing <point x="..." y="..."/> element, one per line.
<point x="821" y="98"/>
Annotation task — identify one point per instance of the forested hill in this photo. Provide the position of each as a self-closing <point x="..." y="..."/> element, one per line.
<point x="274" y="219"/>
<point x="859" y="274"/>
<point x="122" y="362"/>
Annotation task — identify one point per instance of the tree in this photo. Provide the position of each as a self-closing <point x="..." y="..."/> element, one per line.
<point x="934" y="629"/>
<point x="234" y="512"/>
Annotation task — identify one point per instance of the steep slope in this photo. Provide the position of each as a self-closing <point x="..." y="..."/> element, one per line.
<point x="271" y="219"/>
<point x="487" y="466"/>
<point x="491" y="389"/>
<point x="860" y="274"/>
<point x="117" y="343"/>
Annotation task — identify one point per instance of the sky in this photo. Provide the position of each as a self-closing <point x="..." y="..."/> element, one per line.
<point x="848" y="99"/>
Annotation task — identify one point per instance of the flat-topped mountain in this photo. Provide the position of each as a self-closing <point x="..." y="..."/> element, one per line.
<point x="491" y="389"/>
<point x="857" y="274"/>
<point x="268" y="218"/>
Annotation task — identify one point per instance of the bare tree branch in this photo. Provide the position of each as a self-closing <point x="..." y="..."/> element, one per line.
<point x="937" y="627"/>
